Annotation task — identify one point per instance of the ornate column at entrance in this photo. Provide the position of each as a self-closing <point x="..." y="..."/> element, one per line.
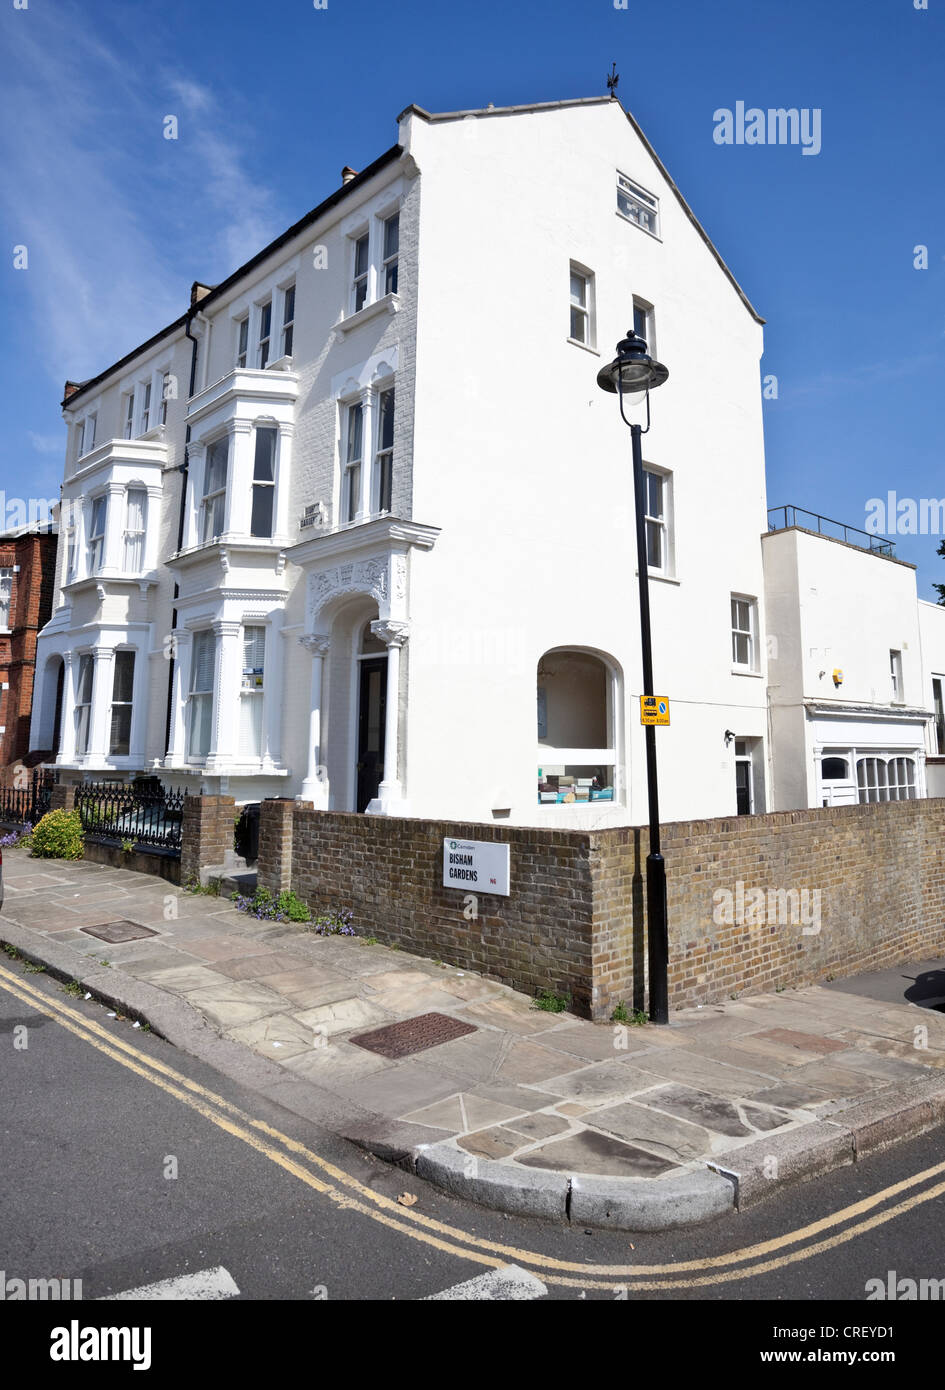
<point x="390" y="794"/>
<point x="315" y="785"/>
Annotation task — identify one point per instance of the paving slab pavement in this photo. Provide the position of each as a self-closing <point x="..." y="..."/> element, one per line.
<point x="640" y="1127"/>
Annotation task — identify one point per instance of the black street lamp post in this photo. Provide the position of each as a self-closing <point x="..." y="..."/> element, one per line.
<point x="631" y="376"/>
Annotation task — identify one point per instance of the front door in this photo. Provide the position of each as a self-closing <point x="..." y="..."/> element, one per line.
<point x="372" y="707"/>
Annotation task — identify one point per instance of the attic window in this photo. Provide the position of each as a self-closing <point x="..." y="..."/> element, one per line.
<point x="634" y="203"/>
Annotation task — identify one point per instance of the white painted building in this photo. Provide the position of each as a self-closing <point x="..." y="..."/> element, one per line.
<point x="359" y="526"/>
<point x="856" y="668"/>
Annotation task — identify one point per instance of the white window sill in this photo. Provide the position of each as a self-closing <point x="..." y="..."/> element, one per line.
<point x="659" y="575"/>
<point x="387" y="304"/>
<point x="746" y="671"/>
<point x="576" y="342"/>
<point x="639" y="226"/>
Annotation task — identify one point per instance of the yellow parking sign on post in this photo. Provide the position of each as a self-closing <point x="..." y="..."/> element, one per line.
<point x="654" y="709"/>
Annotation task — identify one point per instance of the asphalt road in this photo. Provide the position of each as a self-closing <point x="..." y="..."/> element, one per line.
<point x="112" y="1176"/>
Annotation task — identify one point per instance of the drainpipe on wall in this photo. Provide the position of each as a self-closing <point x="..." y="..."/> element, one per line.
<point x="184" y="470"/>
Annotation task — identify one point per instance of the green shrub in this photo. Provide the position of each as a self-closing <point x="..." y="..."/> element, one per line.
<point x="293" y="907"/>
<point x="58" y="836"/>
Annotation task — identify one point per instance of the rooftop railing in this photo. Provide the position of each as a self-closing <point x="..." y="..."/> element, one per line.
<point x="780" y="518"/>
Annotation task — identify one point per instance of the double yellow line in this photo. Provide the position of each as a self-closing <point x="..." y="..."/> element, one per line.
<point x="349" y="1193"/>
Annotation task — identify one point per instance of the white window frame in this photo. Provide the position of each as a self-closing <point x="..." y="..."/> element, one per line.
<point x="751" y="632"/>
<point x="253" y="689"/>
<point x="241" y="356"/>
<point x="6" y="597"/>
<point x="351" y="466"/>
<point x="128" y="421"/>
<point x="360" y="279"/>
<point x="144" y="424"/>
<point x="85" y="434"/>
<point x="269" y="484"/>
<point x="196" y="699"/>
<point x="121" y="704"/>
<point x="585" y="309"/>
<point x="646" y="310"/>
<point x="96" y="558"/>
<point x="883" y="778"/>
<point x="938" y="719"/>
<point x="137" y="536"/>
<point x="264" y="340"/>
<point x="663" y="520"/>
<point x="83" y="737"/>
<point x="638" y="205"/>
<point x="390" y="261"/>
<point x="208" y="499"/>
<point x="165" y="383"/>
<point x="287" y="330"/>
<point x="383" y="456"/>
<point x="895" y="675"/>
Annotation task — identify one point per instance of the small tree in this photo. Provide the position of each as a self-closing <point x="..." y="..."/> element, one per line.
<point x="940" y="588"/>
<point x="59" y="836"/>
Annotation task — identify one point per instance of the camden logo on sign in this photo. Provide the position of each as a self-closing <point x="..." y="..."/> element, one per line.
<point x="478" y="866"/>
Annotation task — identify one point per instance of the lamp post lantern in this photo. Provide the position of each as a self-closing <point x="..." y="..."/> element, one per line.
<point x="631" y="376"/>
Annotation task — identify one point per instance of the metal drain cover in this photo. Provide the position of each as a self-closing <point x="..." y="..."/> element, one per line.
<point x="413" y="1035"/>
<point x="115" y="932"/>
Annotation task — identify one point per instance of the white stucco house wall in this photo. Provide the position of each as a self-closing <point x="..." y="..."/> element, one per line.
<point x="358" y="527"/>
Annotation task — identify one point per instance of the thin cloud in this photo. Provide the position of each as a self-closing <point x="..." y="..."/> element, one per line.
<point x="47" y="443"/>
<point x="117" y="226"/>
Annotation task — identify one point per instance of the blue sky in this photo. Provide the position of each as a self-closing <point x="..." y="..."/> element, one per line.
<point x="274" y="97"/>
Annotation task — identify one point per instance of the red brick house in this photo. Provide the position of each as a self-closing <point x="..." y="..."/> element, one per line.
<point x="27" y="583"/>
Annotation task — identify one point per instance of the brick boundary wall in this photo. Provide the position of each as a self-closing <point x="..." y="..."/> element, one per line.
<point x="576" y="918"/>
<point x="206" y="833"/>
<point x="275" y="841"/>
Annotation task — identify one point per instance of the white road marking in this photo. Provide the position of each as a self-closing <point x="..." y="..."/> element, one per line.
<point x="208" y="1284"/>
<point x="508" y="1284"/>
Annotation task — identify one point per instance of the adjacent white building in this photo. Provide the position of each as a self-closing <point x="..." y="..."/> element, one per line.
<point x="850" y="666"/>
<point x="358" y="527"/>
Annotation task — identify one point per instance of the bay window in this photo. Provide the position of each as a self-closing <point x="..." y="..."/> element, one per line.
<point x="119" y="740"/>
<point x="96" y="545"/>
<point x="213" y="504"/>
<point x="200" y="712"/>
<point x="351" y="482"/>
<point x="384" y="455"/>
<point x="136" y="511"/>
<point x="251" y="694"/>
<point x="83" y="704"/>
<point x="264" y="477"/>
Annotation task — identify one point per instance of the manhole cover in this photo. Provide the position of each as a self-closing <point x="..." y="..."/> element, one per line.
<point x="114" y="932"/>
<point x="413" y="1035"/>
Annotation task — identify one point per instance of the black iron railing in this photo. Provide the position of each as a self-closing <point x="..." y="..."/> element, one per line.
<point x="780" y="518"/>
<point x="146" y="814"/>
<point x="28" y="802"/>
